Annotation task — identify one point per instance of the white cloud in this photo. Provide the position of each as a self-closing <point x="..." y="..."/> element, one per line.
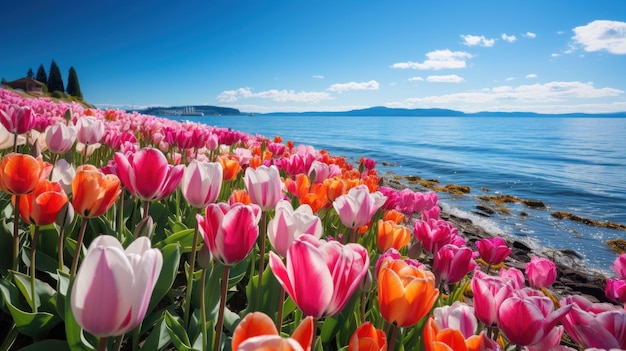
<point x="318" y="76"/>
<point x="555" y="55"/>
<point x="452" y="78"/>
<point x="509" y="38"/>
<point x="602" y="35"/>
<point x="230" y="96"/>
<point x="414" y="79"/>
<point x="438" y="59"/>
<point x="475" y="40"/>
<point x="531" y="76"/>
<point x="510" y="79"/>
<point x="341" y="87"/>
<point x="530" y="35"/>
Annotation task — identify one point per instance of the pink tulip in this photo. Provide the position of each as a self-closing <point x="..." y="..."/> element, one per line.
<point x="458" y="316"/>
<point x="201" y="183"/>
<point x="264" y="186"/>
<point x="619" y="266"/>
<point x="90" y="130"/>
<point x="147" y="175"/>
<point x="17" y="119"/>
<point x="321" y="171"/>
<point x="60" y="138"/>
<point x="113" y="286"/>
<point x="551" y="342"/>
<point x="434" y="233"/>
<point x="321" y="276"/>
<point x="358" y="206"/>
<point x="527" y="317"/>
<point x="230" y="232"/>
<point x="410" y="201"/>
<point x="595" y="325"/>
<point x="489" y="292"/>
<point x="452" y="263"/>
<point x="616" y="290"/>
<point x="288" y="224"/>
<point x="541" y="272"/>
<point x="513" y="277"/>
<point x="493" y="250"/>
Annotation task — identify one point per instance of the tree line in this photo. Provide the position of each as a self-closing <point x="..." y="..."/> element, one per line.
<point x="54" y="82"/>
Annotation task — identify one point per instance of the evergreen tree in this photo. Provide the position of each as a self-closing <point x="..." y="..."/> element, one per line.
<point x="30" y="74"/>
<point x="55" y="82"/>
<point x="41" y="75"/>
<point x="73" y="87"/>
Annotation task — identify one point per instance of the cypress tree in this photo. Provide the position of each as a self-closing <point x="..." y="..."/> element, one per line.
<point x="30" y="74"/>
<point x="55" y="82"/>
<point x="41" y="75"/>
<point x="73" y="87"/>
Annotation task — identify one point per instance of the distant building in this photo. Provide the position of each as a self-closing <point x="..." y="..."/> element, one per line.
<point x="27" y="84"/>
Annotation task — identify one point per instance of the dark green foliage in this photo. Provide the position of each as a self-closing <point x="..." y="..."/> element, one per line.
<point x="73" y="87"/>
<point x="55" y="82"/>
<point x="30" y="74"/>
<point x="41" y="75"/>
<point x="4" y="81"/>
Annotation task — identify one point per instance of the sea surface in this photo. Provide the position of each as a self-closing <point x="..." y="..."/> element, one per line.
<point x="577" y="165"/>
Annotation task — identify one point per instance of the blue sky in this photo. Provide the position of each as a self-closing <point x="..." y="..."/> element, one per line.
<point x="263" y="56"/>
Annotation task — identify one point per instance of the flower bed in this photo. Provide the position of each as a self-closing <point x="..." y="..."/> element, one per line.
<point x="123" y="231"/>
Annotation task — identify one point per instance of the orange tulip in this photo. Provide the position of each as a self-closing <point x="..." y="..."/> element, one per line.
<point x="314" y="195"/>
<point x="230" y="165"/>
<point x="449" y="339"/>
<point x="255" y="162"/>
<point x="405" y="293"/>
<point x="241" y="196"/>
<point x="392" y="235"/>
<point x="258" y="329"/>
<point x="368" y="338"/>
<point x="20" y="173"/>
<point x="336" y="188"/>
<point x="93" y="191"/>
<point x="393" y="215"/>
<point x="41" y="206"/>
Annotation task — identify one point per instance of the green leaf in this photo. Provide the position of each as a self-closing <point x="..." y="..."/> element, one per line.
<point x="158" y="338"/>
<point x="47" y="345"/>
<point x="35" y="325"/>
<point x="184" y="238"/>
<point x="177" y="333"/>
<point x="270" y="293"/>
<point x="44" y="293"/>
<point x="6" y="242"/>
<point x="171" y="260"/>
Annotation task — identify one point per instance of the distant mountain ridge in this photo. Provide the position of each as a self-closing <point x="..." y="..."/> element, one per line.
<point x="191" y="110"/>
<point x="438" y="112"/>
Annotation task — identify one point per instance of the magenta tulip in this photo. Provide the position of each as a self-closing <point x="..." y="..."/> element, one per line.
<point x="230" y="232"/>
<point x="541" y="272"/>
<point x="358" y="206"/>
<point x="452" y="263"/>
<point x="321" y="276"/>
<point x="513" y="277"/>
<point x="60" y="138"/>
<point x="616" y="290"/>
<point x="201" y="183"/>
<point x="619" y="266"/>
<point x="527" y="317"/>
<point x="489" y="292"/>
<point x="493" y="250"/>
<point x="264" y="186"/>
<point x="90" y="130"/>
<point x="434" y="233"/>
<point x="288" y="224"/>
<point x="595" y="325"/>
<point x="458" y="316"/>
<point x="147" y="175"/>
<point x="113" y="286"/>
<point x="17" y="119"/>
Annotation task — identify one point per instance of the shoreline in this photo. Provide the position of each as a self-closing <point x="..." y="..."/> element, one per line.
<point x="573" y="277"/>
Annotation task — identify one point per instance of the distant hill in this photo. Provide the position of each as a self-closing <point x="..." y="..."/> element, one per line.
<point x="195" y="110"/>
<point x="437" y="112"/>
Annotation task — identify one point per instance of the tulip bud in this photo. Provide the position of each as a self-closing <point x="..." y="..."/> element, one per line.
<point x="65" y="217"/>
<point x="35" y="150"/>
<point x="204" y="257"/>
<point x="144" y="227"/>
<point x="67" y="115"/>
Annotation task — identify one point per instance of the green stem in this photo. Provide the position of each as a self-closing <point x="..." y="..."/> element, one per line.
<point x="261" y="239"/>
<point x="192" y="267"/>
<point x="117" y="343"/>
<point x="281" y="305"/>
<point x="85" y="154"/>
<point x="9" y="339"/>
<point x="314" y="337"/>
<point x="16" y="234"/>
<point x="146" y="208"/>
<point x="394" y="336"/>
<point x="220" y="317"/>
<point x="79" y="244"/>
<point x="102" y="344"/>
<point x="33" y="248"/>
<point x="205" y="346"/>
<point x="120" y="214"/>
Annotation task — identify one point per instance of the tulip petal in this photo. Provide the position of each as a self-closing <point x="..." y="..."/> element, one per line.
<point x="253" y="324"/>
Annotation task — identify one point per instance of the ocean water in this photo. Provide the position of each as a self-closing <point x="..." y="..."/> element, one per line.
<point x="576" y="165"/>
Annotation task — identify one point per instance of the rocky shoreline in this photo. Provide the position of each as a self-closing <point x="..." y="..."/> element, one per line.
<point x="572" y="277"/>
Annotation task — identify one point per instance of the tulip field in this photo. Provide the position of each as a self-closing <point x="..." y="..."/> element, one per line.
<point x="122" y="231"/>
